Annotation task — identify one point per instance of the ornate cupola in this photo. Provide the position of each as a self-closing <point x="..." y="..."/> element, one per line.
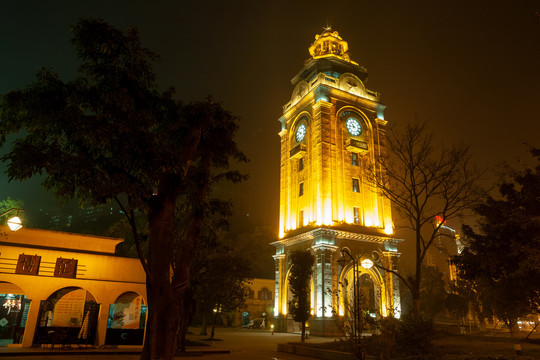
<point x="328" y="44"/>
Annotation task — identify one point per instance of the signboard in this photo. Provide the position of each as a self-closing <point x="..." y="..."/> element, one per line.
<point x="28" y="264"/>
<point x="66" y="268"/>
<point x="68" y="311"/>
<point x="127" y="314"/>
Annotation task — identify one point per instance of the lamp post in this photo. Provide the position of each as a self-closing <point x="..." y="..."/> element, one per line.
<point x="15" y="222"/>
<point x="366" y="264"/>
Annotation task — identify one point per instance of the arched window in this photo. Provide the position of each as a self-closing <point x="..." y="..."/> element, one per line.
<point x="264" y="294"/>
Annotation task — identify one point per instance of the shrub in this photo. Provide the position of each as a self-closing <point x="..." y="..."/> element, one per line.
<point x="414" y="336"/>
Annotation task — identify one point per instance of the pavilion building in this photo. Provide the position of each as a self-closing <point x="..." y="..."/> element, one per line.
<point x="60" y="288"/>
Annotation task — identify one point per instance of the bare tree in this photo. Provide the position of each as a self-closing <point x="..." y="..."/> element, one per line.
<point x="424" y="181"/>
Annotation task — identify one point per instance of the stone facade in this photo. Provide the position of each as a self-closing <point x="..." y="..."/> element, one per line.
<point x="332" y="135"/>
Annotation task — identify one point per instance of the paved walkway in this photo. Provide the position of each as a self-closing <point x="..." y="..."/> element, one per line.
<point x="238" y="344"/>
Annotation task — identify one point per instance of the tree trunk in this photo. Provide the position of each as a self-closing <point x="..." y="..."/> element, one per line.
<point x="418" y="274"/>
<point x="203" y="324"/>
<point x="188" y="311"/>
<point x="185" y="259"/>
<point x="213" y="331"/>
<point x="163" y="309"/>
<point x="417" y="310"/>
<point x="303" y="336"/>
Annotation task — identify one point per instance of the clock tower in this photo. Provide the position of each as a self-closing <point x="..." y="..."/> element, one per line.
<point x="332" y="136"/>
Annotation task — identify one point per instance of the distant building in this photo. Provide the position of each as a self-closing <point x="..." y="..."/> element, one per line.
<point x="331" y="130"/>
<point x="446" y="245"/>
<point x="60" y="288"/>
<point x="259" y="304"/>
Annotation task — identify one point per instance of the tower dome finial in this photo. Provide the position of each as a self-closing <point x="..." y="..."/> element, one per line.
<point x="329" y="43"/>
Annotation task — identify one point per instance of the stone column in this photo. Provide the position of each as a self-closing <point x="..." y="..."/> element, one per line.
<point x="31" y="323"/>
<point x="323" y="248"/>
<point x="279" y="292"/>
<point x="101" y="330"/>
<point x="393" y="298"/>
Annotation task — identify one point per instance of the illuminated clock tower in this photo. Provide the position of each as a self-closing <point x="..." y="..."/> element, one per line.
<point x="332" y="135"/>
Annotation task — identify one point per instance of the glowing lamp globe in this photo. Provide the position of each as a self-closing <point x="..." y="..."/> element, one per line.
<point x="367" y="264"/>
<point x="14" y="223"/>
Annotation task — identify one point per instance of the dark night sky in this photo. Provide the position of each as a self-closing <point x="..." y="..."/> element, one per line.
<point x="472" y="68"/>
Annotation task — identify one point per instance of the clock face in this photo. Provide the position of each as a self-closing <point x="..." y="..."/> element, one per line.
<point x="300" y="133"/>
<point x="353" y="126"/>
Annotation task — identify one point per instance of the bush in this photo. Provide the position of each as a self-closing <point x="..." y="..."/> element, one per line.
<point x="414" y="337"/>
<point x="383" y="345"/>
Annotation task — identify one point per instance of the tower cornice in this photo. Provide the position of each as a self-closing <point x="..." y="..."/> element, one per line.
<point x="338" y="234"/>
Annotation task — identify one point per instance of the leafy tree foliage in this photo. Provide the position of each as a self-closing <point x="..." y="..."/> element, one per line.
<point x="254" y="242"/>
<point x="422" y="181"/>
<point x="502" y="257"/>
<point x="457" y="305"/>
<point x="299" y="280"/>
<point x="8" y="204"/>
<point x="219" y="274"/>
<point x="432" y="291"/>
<point x="468" y="292"/>
<point x="220" y="280"/>
<point x="122" y="229"/>
<point x="111" y="134"/>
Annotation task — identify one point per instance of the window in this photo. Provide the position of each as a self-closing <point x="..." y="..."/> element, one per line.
<point x="301" y="190"/>
<point x="301" y="164"/>
<point x="356" y="212"/>
<point x="354" y="159"/>
<point x="301" y="218"/>
<point x="355" y="185"/>
<point x="264" y="294"/>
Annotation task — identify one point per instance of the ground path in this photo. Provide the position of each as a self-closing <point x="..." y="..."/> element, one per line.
<point x="242" y="344"/>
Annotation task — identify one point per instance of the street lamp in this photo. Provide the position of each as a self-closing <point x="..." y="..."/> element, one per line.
<point x="15" y="222"/>
<point x="366" y="264"/>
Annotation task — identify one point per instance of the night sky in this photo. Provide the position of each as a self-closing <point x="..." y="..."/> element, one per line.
<point x="471" y="68"/>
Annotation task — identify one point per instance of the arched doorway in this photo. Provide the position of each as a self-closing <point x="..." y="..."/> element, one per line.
<point x="368" y="291"/>
<point x="68" y="316"/>
<point x="127" y="319"/>
<point x="369" y="294"/>
<point x="14" y="308"/>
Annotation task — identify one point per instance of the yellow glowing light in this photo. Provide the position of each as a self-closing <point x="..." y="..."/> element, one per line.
<point x="327" y="212"/>
<point x="388" y="229"/>
<point x="341" y="312"/>
<point x="368" y="220"/>
<point x="367" y="264"/>
<point x="327" y="219"/>
<point x="14" y="223"/>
